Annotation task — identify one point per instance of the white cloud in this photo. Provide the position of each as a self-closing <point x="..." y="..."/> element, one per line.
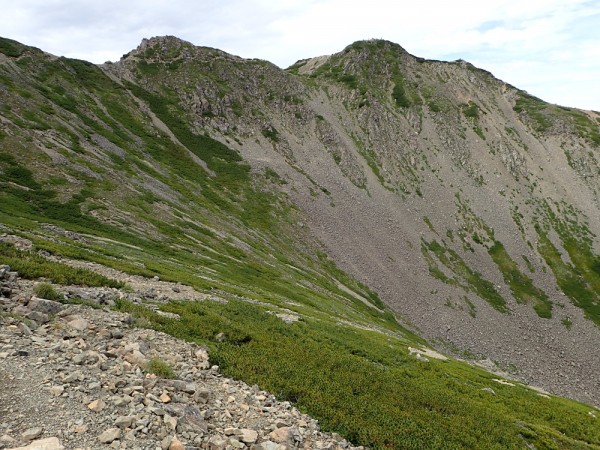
<point x="548" y="47"/>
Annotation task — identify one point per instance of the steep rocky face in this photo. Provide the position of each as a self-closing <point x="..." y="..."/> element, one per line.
<point x="468" y="205"/>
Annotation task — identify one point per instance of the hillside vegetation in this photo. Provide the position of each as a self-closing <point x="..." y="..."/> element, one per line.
<point x="381" y="200"/>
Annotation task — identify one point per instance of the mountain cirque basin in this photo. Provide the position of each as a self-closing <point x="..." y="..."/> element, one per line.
<point x="343" y="193"/>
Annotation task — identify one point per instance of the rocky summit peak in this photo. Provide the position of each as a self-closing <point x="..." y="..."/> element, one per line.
<point x="374" y="45"/>
<point x="170" y="48"/>
<point x="159" y="45"/>
<point x="163" y="41"/>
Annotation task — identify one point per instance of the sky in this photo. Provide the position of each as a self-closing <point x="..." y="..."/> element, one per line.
<point x="550" y="48"/>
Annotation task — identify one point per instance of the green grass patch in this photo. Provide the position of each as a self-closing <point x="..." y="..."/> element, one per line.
<point x="536" y="109"/>
<point x="219" y="158"/>
<point x="33" y="266"/>
<point x="271" y="133"/>
<point x="364" y="385"/>
<point x="464" y="276"/>
<point x="579" y="279"/>
<point x="47" y="291"/>
<point x="433" y="106"/>
<point x="399" y="94"/>
<point x="567" y="322"/>
<point x="479" y="132"/>
<point x="569" y="279"/>
<point x="521" y="286"/>
<point x="11" y="48"/>
<point x="160" y="368"/>
<point x="471" y="111"/>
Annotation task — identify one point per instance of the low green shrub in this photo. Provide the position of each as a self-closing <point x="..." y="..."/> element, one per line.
<point x="47" y="291"/>
<point x="366" y="386"/>
<point x="160" y="368"/>
<point x="32" y="266"/>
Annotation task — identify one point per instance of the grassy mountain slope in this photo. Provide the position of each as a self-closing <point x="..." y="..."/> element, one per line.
<point x="240" y="179"/>
<point x="470" y="206"/>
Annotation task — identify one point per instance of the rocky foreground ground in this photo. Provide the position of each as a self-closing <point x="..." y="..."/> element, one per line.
<point x="74" y="377"/>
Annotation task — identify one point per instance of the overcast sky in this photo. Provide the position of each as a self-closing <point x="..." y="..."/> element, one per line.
<point x="551" y="48"/>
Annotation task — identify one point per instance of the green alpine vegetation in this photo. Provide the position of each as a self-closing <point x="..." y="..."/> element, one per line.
<point x="370" y="195"/>
<point x="366" y="385"/>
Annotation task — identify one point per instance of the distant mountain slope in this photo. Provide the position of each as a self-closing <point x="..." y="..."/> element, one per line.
<point x="349" y="189"/>
<point x="470" y="206"/>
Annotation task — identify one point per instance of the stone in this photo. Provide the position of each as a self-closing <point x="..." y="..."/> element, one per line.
<point x="79" y="323"/>
<point x="124" y="421"/>
<point x="216" y="443"/>
<point x="192" y="420"/>
<point x="97" y="405"/>
<point x="166" y="442"/>
<point x="176" y="444"/>
<point x="248" y="436"/>
<point x="32" y="433"/>
<point x="38" y="317"/>
<point x="136" y="357"/>
<point x="268" y="445"/>
<point x="170" y="422"/>
<point x="280" y="435"/>
<point x="202" y="395"/>
<point x="164" y="397"/>
<point x="80" y="428"/>
<point x="109" y="435"/>
<point x="56" y="390"/>
<point x="51" y="443"/>
<point x="234" y="443"/>
<point x="72" y="377"/>
<point x="4" y="269"/>
<point x="421" y="358"/>
<point x="130" y="435"/>
<point x="201" y="355"/>
<point x="117" y="334"/>
<point x="23" y="328"/>
<point x="49" y="307"/>
<point x="183" y="386"/>
<point x="6" y="439"/>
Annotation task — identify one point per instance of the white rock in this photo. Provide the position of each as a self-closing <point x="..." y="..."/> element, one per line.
<point x="56" y="390"/>
<point x="109" y="435"/>
<point x="280" y="435"/>
<point x="248" y="436"/>
<point x="32" y="433"/>
<point x="79" y="323"/>
<point x="42" y="444"/>
<point x="170" y="422"/>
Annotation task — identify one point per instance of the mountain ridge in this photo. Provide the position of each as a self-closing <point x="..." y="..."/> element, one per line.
<point x="469" y="206"/>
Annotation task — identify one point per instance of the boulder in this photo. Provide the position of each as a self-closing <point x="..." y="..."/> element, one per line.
<point x="51" y="443"/>
<point x="49" y="307"/>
